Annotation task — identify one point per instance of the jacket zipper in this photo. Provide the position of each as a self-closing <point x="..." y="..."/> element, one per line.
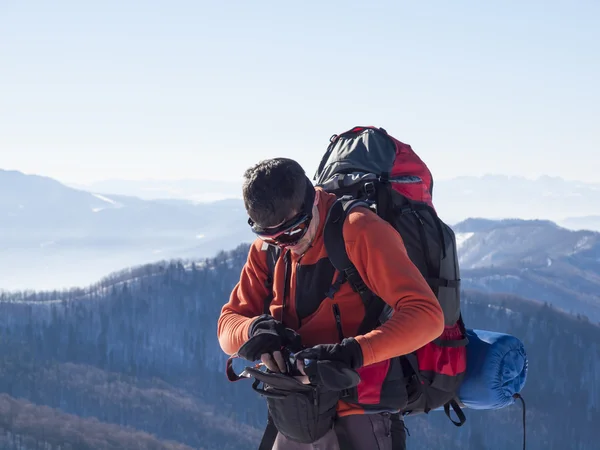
<point x="338" y="321"/>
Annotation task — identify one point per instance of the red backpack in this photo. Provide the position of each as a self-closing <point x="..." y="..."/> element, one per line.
<point x="366" y="166"/>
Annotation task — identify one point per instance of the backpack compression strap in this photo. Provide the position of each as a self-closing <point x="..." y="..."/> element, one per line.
<point x="336" y="250"/>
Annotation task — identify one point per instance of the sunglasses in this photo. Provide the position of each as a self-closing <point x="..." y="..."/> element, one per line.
<point x="291" y="231"/>
<point x="287" y="234"/>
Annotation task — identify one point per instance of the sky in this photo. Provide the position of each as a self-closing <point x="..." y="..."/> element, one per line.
<point x="196" y="89"/>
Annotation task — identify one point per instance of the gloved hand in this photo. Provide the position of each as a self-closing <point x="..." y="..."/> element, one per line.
<point x="333" y="365"/>
<point x="268" y="335"/>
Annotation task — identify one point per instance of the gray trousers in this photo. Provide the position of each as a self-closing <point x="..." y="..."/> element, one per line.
<point x="355" y="432"/>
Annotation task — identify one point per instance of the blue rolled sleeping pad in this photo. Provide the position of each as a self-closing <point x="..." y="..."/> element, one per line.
<point x="496" y="370"/>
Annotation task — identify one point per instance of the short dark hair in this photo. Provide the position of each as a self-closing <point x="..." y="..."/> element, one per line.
<point x="272" y="189"/>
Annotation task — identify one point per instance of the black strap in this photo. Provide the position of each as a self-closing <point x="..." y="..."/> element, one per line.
<point x="333" y="232"/>
<point x="345" y="441"/>
<point x="518" y="396"/>
<point x="443" y="282"/>
<point x="341" y="278"/>
<point x="333" y="238"/>
<point x="287" y="273"/>
<point x="427" y="252"/>
<point x="451" y="343"/>
<point x="269" y="436"/>
<point x="459" y="413"/>
<point x="434" y="279"/>
<point x="273" y="253"/>
<point x="438" y="224"/>
<point x="399" y="431"/>
<point x="423" y="384"/>
<point x="372" y="313"/>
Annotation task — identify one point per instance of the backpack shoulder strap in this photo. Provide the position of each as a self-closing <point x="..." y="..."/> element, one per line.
<point x="273" y="253"/>
<point x="334" y="240"/>
<point x="336" y="249"/>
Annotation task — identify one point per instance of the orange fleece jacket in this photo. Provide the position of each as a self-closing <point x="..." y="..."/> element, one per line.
<point x="378" y="252"/>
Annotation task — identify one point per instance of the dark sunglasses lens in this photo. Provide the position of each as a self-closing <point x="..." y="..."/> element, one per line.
<point x="292" y="236"/>
<point x="276" y="230"/>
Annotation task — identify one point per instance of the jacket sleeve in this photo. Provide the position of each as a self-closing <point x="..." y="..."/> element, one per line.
<point x="378" y="253"/>
<point x="245" y="303"/>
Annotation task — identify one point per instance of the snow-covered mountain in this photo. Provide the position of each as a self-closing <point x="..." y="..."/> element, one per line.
<point x="535" y="259"/>
<point x="52" y="235"/>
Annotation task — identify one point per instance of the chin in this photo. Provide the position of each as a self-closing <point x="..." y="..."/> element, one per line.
<point x="298" y="248"/>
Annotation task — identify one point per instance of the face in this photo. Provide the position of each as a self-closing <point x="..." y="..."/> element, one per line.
<point x="304" y="244"/>
<point x="296" y="232"/>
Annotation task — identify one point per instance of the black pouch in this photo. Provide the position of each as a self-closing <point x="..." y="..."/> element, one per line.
<point x="301" y="412"/>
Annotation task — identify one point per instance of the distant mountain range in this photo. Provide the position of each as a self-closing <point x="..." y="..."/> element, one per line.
<point x="53" y="236"/>
<point x="41" y="205"/>
<point x="572" y="204"/>
<point x="186" y="189"/>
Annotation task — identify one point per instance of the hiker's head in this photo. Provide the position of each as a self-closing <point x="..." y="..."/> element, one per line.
<point x="281" y="202"/>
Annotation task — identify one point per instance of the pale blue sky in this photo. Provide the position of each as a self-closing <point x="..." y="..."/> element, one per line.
<point x="192" y="89"/>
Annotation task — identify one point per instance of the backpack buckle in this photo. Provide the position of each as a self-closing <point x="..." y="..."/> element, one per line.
<point x="356" y="280"/>
<point x="369" y="189"/>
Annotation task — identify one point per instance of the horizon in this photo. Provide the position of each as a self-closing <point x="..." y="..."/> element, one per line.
<point x="88" y="182"/>
<point x="571" y="198"/>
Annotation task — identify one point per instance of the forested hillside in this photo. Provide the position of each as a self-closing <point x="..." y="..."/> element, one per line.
<point x="25" y="426"/>
<point x="139" y="349"/>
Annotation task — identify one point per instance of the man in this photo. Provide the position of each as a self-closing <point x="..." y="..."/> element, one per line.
<point x="286" y="210"/>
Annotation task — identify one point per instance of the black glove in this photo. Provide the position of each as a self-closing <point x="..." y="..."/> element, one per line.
<point x="268" y="335"/>
<point x="334" y="365"/>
